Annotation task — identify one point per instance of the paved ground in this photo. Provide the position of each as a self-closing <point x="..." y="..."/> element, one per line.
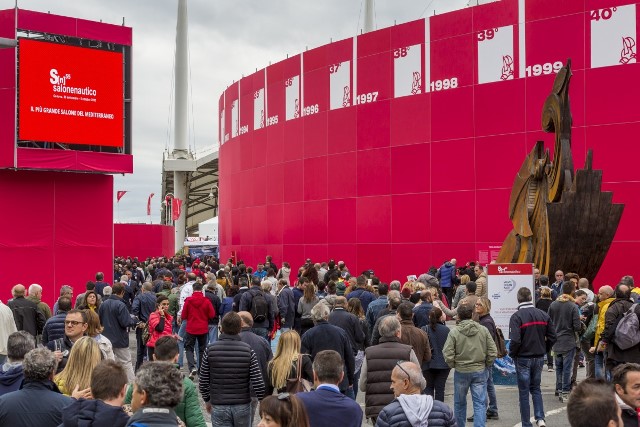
<point x="556" y="414"/>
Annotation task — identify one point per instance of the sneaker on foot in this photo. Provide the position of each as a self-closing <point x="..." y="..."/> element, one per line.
<point x="192" y="375"/>
<point x="564" y="398"/>
<point x="541" y="423"/>
<point x="470" y="419"/>
<point x="550" y="369"/>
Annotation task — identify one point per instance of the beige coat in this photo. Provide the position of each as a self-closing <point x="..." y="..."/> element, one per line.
<point x="481" y="285"/>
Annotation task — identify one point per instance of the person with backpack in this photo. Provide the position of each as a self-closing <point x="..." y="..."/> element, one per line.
<point x="255" y="302"/>
<point x="532" y="335"/>
<point x="619" y="329"/>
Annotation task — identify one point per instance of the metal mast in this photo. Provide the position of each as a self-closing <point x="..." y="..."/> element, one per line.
<point x="368" y="16"/>
<point x="181" y="148"/>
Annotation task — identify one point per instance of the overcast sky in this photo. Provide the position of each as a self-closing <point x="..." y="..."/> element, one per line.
<point x="228" y="39"/>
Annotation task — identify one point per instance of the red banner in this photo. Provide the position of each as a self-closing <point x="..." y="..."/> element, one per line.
<point x="120" y="194"/>
<point x="176" y="208"/>
<point x="149" y="204"/>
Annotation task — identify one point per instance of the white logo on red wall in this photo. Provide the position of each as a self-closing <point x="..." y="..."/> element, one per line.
<point x="417" y="84"/>
<point x="60" y="84"/>
<point x="628" y="52"/>
<point x="346" y="98"/>
<point x="507" y="67"/>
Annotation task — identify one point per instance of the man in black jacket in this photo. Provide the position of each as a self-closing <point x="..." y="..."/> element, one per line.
<point x="26" y="313"/>
<point x="324" y="336"/>
<point x="54" y="328"/>
<point x="532" y="335"/>
<point x="286" y="305"/>
<point x="262" y="350"/>
<point x="261" y="326"/>
<point x="115" y="319"/>
<point x="229" y="373"/>
<point x="341" y="318"/>
<point x="143" y="305"/>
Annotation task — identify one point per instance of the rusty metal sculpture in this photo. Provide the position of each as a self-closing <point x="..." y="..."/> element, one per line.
<point x="560" y="221"/>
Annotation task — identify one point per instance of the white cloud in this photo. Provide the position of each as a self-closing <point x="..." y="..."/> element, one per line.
<point x="228" y="39"/>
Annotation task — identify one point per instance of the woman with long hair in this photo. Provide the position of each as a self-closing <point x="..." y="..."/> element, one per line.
<point x="84" y="356"/>
<point x="90" y="301"/>
<point x="94" y="330"/>
<point x="305" y="304"/>
<point x="159" y="324"/>
<point x="483" y="308"/>
<point x="354" y="306"/>
<point x="283" y="410"/>
<point x="436" y="371"/>
<point x="284" y="364"/>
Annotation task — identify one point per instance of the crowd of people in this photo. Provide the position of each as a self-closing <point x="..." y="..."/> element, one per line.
<point x="337" y="334"/>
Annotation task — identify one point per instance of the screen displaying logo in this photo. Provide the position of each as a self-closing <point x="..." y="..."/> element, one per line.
<point x="70" y="95"/>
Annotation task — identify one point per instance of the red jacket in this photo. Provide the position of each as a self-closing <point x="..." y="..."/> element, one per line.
<point x="154" y="321"/>
<point x="197" y="311"/>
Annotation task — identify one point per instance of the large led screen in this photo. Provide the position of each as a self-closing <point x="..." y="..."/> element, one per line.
<point x="70" y="95"/>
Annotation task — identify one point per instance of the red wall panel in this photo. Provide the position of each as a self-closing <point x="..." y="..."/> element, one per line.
<point x="406" y="181"/>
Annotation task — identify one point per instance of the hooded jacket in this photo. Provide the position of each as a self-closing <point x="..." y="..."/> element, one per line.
<point x="469" y="347"/>
<point x="416" y="410"/>
<point x="11" y="379"/>
<point x="565" y="317"/>
<point x="93" y="413"/>
<point x="197" y="311"/>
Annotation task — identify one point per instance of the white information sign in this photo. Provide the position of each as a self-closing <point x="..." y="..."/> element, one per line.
<point x="504" y="280"/>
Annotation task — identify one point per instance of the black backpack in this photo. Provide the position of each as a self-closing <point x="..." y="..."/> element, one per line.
<point x="259" y="307"/>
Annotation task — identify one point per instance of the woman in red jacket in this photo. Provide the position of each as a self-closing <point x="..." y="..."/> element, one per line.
<point x="159" y="324"/>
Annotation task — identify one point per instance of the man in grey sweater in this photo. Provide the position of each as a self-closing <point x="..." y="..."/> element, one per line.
<point x="565" y="317"/>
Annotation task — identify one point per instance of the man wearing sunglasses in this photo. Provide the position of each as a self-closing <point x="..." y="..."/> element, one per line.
<point x="75" y="326"/>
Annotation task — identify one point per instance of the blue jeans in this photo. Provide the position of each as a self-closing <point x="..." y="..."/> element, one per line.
<point x="491" y="392"/>
<point x="182" y="333"/>
<point x="601" y="371"/>
<point x="477" y="382"/>
<point x="564" y="368"/>
<point x="231" y="415"/>
<point x="213" y="334"/>
<point x="529" y="372"/>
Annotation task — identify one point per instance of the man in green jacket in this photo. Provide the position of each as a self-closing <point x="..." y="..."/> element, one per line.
<point x="189" y="411"/>
<point x="470" y="351"/>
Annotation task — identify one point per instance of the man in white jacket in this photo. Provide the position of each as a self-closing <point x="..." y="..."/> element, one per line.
<point x="7" y="327"/>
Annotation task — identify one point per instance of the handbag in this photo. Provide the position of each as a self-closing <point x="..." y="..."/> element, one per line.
<point x="298" y="384"/>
